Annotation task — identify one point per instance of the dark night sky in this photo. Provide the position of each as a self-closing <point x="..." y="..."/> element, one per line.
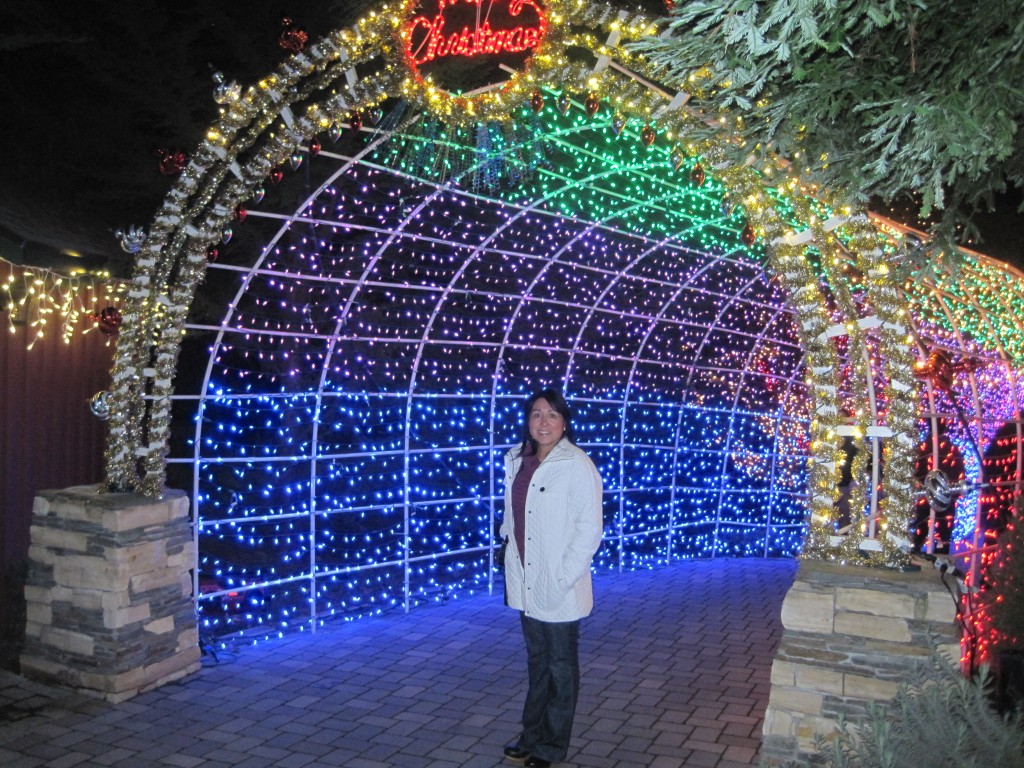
<point x="91" y="91"/>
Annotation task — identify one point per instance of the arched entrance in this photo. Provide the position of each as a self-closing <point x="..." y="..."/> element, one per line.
<point x="716" y="325"/>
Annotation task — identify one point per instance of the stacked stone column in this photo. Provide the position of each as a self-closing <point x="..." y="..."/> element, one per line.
<point x="851" y="635"/>
<point x="109" y="592"/>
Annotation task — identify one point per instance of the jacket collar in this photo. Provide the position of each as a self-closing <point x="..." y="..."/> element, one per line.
<point x="561" y="450"/>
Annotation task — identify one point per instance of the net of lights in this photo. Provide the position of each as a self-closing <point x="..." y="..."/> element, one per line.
<point x="375" y="233"/>
<point x="404" y="279"/>
<point x="428" y="322"/>
<point x="983" y="302"/>
<point x="972" y="427"/>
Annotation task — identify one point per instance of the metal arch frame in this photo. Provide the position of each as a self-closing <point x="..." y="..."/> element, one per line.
<point x="551" y="258"/>
<point x="242" y="289"/>
<point x="275" y="105"/>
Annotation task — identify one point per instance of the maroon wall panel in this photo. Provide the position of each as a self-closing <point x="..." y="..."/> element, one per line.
<point x="48" y="436"/>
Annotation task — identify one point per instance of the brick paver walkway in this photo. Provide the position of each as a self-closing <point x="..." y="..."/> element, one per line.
<point x="676" y="665"/>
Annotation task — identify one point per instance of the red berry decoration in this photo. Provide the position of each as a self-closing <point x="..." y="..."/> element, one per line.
<point x="647" y="135"/>
<point x="293" y="39"/>
<point x="697" y="175"/>
<point x="748" y="236"/>
<point x="108" y="321"/>
<point x="537" y="101"/>
<point x="172" y="162"/>
<point x="591" y="105"/>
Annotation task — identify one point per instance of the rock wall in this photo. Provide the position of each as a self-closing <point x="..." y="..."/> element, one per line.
<point x="851" y="635"/>
<point x="108" y="592"/>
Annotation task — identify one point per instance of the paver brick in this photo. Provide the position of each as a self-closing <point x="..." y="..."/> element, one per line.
<point x="675" y="673"/>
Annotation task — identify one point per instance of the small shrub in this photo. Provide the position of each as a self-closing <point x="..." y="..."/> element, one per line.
<point x="939" y="718"/>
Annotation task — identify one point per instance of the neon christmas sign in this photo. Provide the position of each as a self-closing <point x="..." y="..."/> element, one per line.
<point x="519" y="26"/>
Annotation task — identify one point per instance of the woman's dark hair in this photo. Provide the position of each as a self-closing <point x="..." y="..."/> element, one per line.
<point x="556" y="401"/>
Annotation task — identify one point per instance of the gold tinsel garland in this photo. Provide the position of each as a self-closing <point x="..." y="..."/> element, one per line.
<point x="902" y="388"/>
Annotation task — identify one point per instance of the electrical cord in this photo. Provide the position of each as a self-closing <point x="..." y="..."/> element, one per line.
<point x="946" y="567"/>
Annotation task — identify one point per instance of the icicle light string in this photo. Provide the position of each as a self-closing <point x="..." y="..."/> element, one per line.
<point x="38" y="299"/>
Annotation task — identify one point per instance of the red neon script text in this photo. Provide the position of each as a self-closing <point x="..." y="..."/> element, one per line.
<point x="438" y="43"/>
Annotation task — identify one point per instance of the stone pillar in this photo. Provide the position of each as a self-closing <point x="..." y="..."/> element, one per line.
<point x="851" y="635"/>
<point x="108" y="594"/>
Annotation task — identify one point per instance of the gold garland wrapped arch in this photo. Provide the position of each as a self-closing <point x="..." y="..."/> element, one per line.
<point x="320" y="89"/>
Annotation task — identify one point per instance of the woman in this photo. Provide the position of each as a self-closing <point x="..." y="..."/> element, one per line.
<point x="553" y="524"/>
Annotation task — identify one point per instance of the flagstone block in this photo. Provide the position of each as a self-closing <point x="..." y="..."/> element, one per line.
<point x="851" y="635"/>
<point x="108" y="594"/>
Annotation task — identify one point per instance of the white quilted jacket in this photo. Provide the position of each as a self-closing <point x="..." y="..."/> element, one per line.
<point x="563" y="531"/>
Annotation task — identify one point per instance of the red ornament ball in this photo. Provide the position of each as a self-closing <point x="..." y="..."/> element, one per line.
<point x="647" y="135"/>
<point x="591" y="105"/>
<point x="537" y="101"/>
<point x="355" y="121"/>
<point x="938" y="369"/>
<point x="697" y="175"/>
<point x="172" y="162"/>
<point x="276" y="174"/>
<point x="212" y="253"/>
<point x="314" y="147"/>
<point x="748" y="236"/>
<point x="293" y="39"/>
<point x="108" y="320"/>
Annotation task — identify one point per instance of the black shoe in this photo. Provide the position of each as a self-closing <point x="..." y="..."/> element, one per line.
<point x="536" y="762"/>
<point x="515" y="752"/>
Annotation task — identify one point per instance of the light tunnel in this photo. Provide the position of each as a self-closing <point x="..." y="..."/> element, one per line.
<point x="345" y="438"/>
<point x="338" y="311"/>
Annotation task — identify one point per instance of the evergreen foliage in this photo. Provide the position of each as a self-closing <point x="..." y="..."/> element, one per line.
<point x="939" y="718"/>
<point x="880" y="98"/>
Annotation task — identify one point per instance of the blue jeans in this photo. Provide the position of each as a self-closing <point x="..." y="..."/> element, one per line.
<point x="553" y="667"/>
